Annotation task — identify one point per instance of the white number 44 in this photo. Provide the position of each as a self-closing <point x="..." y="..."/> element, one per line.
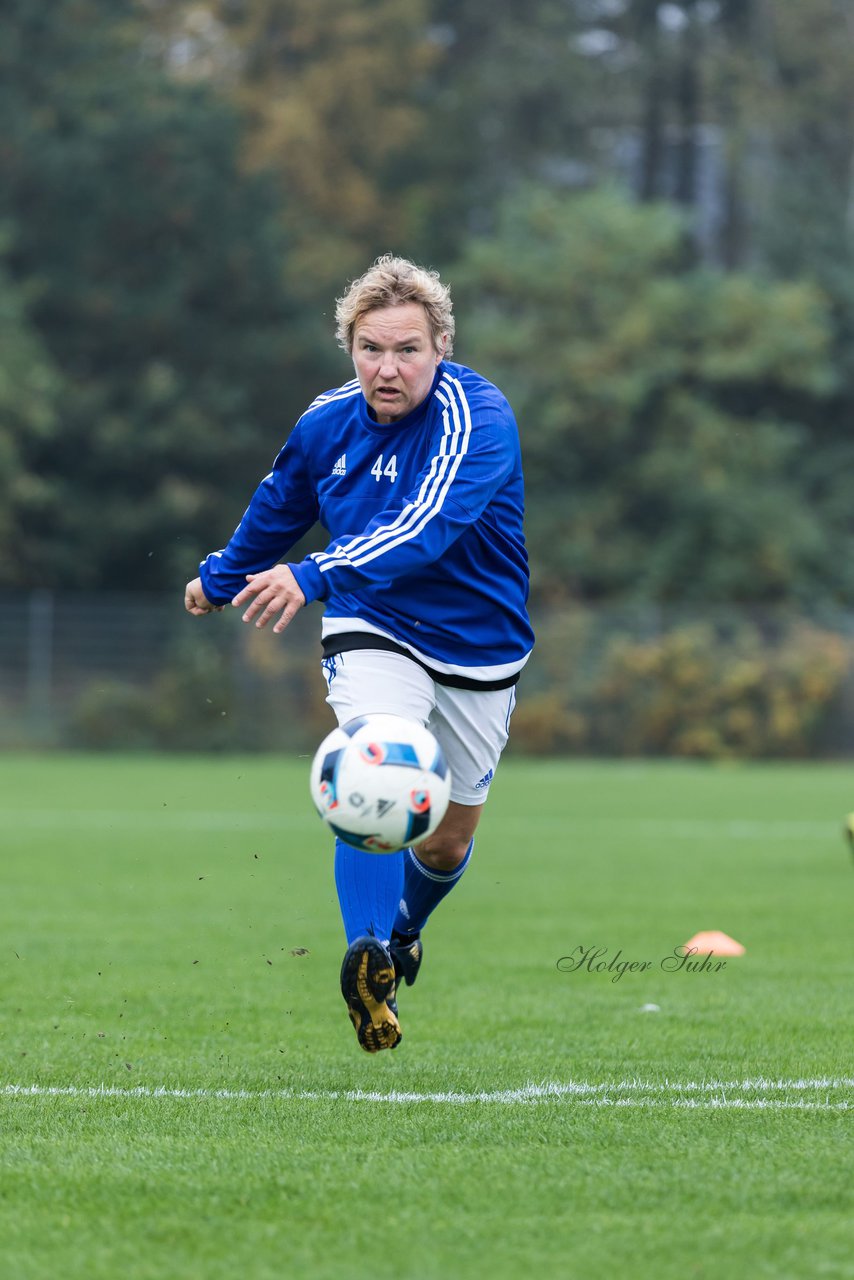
<point x="389" y="470"/>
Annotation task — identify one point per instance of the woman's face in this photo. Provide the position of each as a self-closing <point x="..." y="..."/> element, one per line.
<point x="395" y="359"/>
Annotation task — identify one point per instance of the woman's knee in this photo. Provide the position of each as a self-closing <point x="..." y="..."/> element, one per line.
<point x="442" y="853"/>
<point x="446" y="848"/>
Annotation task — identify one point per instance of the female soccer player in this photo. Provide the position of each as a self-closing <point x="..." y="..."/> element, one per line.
<point x="413" y="468"/>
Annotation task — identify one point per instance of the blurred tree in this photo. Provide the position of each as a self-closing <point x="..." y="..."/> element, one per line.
<point x="802" y="200"/>
<point x="395" y="123"/>
<point x="780" y="80"/>
<point x="664" y="412"/>
<point x="739" y="108"/>
<point x="671" y="82"/>
<point x="331" y="92"/>
<point x="511" y="98"/>
<point x="29" y="392"/>
<point x="172" y="299"/>
<point x="154" y="273"/>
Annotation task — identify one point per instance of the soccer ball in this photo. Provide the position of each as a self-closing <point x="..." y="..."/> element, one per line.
<point x="381" y="783"/>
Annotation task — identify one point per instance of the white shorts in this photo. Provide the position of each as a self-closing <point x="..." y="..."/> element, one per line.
<point x="471" y="725"/>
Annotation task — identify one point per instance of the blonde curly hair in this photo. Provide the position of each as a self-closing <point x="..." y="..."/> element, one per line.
<point x="389" y="282"/>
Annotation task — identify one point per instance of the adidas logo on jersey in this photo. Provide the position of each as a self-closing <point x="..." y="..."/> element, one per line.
<point x="340" y="468"/>
<point x="485" y="781"/>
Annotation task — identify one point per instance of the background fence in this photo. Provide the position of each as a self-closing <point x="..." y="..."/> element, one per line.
<point x="134" y="671"/>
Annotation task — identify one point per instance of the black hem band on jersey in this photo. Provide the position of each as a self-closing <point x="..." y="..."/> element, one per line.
<point x="347" y="641"/>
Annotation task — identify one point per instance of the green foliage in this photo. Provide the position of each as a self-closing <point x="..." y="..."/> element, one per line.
<point x="155" y="274"/>
<point x="662" y="408"/>
<point x="185" y="187"/>
<point x="186" y="707"/>
<point x="331" y="94"/>
<point x="509" y="99"/>
<point x="29" y="396"/>
<point x="803" y="103"/>
<point x="113" y="713"/>
<point x="719" y="689"/>
<point x="208" y="694"/>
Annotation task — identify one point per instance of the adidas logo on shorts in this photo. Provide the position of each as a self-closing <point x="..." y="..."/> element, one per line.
<point x="340" y="468"/>
<point x="485" y="780"/>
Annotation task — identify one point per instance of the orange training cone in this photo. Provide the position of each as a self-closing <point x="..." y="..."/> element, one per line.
<point x="713" y="940"/>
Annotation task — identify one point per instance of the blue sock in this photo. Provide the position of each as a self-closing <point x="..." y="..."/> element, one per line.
<point x="423" y="890"/>
<point x="369" y="887"/>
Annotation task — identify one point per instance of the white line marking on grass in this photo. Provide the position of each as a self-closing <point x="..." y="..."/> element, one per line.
<point x="159" y="819"/>
<point x="149" y="820"/>
<point x="719" y="1095"/>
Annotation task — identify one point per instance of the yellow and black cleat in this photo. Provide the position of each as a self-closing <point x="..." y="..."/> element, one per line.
<point x="407" y="952"/>
<point x="368" y="986"/>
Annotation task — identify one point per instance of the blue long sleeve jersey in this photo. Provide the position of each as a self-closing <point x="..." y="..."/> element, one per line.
<point x="425" y="521"/>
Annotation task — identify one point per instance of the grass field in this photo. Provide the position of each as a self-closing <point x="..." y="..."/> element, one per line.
<point x="182" y="1094"/>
